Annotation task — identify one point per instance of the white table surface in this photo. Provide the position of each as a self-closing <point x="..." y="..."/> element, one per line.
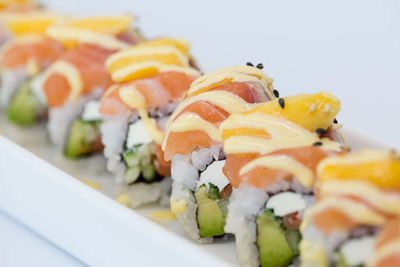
<point x="351" y="48"/>
<point x="21" y="247"/>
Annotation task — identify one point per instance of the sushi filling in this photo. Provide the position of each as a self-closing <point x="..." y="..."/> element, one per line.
<point x="212" y="196"/>
<point x="25" y="107"/>
<point x="11" y="81"/>
<point x="84" y="136"/>
<point x="356" y="251"/>
<point x="139" y="153"/>
<point x="278" y="225"/>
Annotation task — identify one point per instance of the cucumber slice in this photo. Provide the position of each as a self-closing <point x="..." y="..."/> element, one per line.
<point x="149" y="173"/>
<point x="131" y="158"/>
<point x="132" y="174"/>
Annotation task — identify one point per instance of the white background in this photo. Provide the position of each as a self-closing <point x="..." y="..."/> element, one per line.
<point x="351" y="48"/>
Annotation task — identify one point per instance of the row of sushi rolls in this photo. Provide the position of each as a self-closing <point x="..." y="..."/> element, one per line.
<point x="232" y="155"/>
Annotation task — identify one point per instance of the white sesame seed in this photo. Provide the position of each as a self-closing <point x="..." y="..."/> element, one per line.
<point x="313" y="106"/>
<point x="327" y="108"/>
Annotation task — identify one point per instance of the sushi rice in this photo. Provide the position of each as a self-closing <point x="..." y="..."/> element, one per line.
<point x="11" y="80"/>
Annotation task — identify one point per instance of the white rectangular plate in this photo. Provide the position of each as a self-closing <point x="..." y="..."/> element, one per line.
<point x="38" y="188"/>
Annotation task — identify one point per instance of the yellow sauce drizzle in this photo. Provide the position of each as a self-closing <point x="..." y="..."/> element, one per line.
<point x="387" y="202"/>
<point x="72" y="36"/>
<point x="143" y="54"/>
<point x="70" y="72"/>
<point x="165" y="215"/>
<point x="284" y="134"/>
<point x="192" y="122"/>
<point x="282" y="162"/>
<point x="178" y="206"/>
<point x="359" y="212"/>
<point x="234" y="74"/>
<point x="135" y="100"/>
<point x="152" y="67"/>
<point x="363" y="156"/>
<point x="92" y="184"/>
<point x="228" y="101"/>
<point x="123" y="199"/>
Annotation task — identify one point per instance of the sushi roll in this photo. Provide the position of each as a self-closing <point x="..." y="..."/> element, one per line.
<point x="151" y="79"/>
<point x="9" y="10"/>
<point x="272" y="152"/>
<point x="193" y="144"/>
<point x="77" y="77"/>
<point x="357" y="195"/>
<point x="24" y="56"/>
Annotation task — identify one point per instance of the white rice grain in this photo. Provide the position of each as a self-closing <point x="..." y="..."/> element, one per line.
<point x="11" y="80"/>
<point x="243" y="209"/>
<point x="188" y="218"/>
<point x="60" y="118"/>
<point x="185" y="174"/>
<point x="113" y="135"/>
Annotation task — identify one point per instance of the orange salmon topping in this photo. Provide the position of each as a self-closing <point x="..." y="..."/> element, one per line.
<point x="44" y="53"/>
<point x="262" y="177"/>
<point x="89" y="61"/>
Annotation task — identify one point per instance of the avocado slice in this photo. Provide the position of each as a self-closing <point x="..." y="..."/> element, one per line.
<point x="24" y="108"/>
<point x="210" y="218"/>
<point x="84" y="138"/>
<point x="277" y="246"/>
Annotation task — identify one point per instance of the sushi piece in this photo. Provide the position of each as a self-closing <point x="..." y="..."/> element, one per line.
<point x="76" y="77"/>
<point x="272" y="152"/>
<point x="84" y="136"/>
<point x="357" y="195"/>
<point x="24" y="56"/>
<point x="151" y="79"/>
<point x="193" y="144"/>
<point x="9" y="10"/>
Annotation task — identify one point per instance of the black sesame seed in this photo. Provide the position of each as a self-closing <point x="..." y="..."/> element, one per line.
<point x="260" y="66"/>
<point x="276" y="93"/>
<point x="321" y="131"/>
<point x="317" y="144"/>
<point x="282" y="102"/>
<point x="335" y="121"/>
<point x="250" y="64"/>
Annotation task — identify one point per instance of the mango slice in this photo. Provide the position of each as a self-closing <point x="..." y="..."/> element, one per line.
<point x="311" y="111"/>
<point x="179" y="43"/>
<point x="113" y="25"/>
<point x="167" y="55"/>
<point x="149" y="58"/>
<point x="34" y="24"/>
<point x="381" y="168"/>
